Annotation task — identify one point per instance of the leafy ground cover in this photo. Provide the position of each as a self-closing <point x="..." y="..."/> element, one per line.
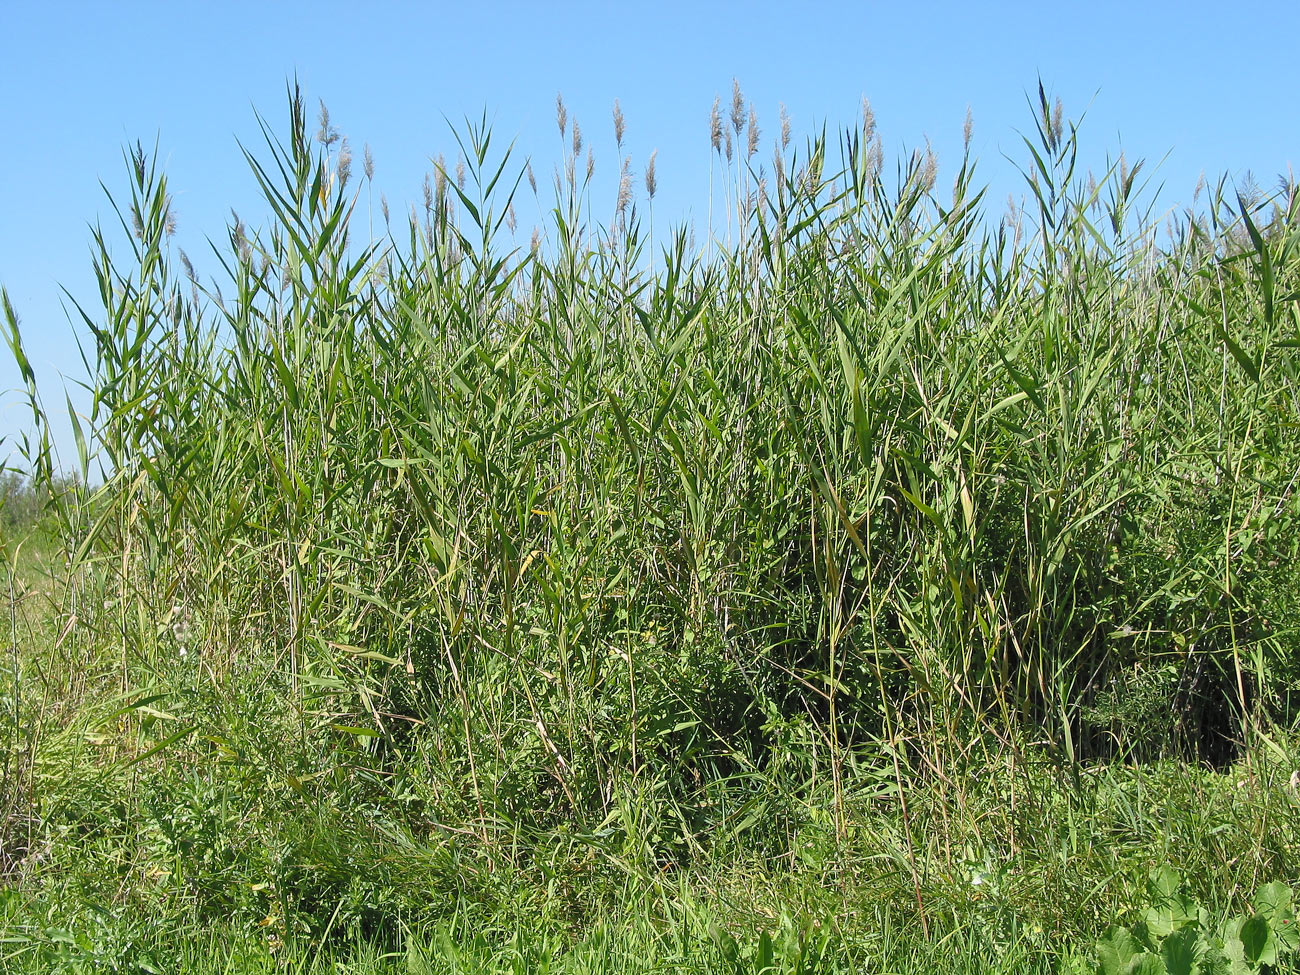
<point x="883" y="586"/>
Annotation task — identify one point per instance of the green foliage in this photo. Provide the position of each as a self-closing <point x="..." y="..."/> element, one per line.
<point x="464" y="598"/>
<point x="1176" y="936"/>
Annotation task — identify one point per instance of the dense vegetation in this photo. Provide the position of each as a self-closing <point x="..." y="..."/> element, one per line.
<point x="882" y="586"/>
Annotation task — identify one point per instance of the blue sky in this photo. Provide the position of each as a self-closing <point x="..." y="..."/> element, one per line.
<point x="1186" y="85"/>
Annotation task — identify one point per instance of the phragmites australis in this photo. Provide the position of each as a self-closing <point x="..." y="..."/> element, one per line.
<point x="875" y="160"/>
<point x="367" y="162"/>
<point x="929" y="168"/>
<point x="326" y="135"/>
<point x="440" y="178"/>
<point x="868" y="121"/>
<point x="460" y="173"/>
<point x="650" y="182"/>
<point x="624" y="187"/>
<point x="345" y="162"/>
<point x="737" y="107"/>
<point x="577" y="138"/>
<point x="591" y="159"/>
<point x="753" y="131"/>
<point x="561" y="114"/>
<point x="532" y="180"/>
<point x="715" y="125"/>
<point x="967" y="128"/>
<point x="620" y="126"/>
<point x="785" y="128"/>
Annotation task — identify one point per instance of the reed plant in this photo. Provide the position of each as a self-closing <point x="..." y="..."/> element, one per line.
<point x="576" y="552"/>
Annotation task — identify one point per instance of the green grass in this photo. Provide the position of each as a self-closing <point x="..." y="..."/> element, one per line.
<point x="881" y="586"/>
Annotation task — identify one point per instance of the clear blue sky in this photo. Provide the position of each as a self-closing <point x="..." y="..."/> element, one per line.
<point x="1194" y="84"/>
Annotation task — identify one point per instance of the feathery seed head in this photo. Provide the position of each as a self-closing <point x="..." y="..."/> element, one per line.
<point x="185" y="262"/>
<point x="561" y="114"/>
<point x="591" y="159"/>
<point x="875" y="160"/>
<point x="929" y="169"/>
<point x="737" y="107"/>
<point x="345" y="163"/>
<point x="428" y="193"/>
<point x="383" y="207"/>
<point x="440" y="178"/>
<point x="239" y="236"/>
<point x="715" y="125"/>
<point x="966" y="129"/>
<point x="619" y="125"/>
<point x="326" y="135"/>
<point x="460" y="173"/>
<point x="535" y="244"/>
<point x="532" y="180"/>
<point x="368" y="162"/>
<point x="650" y="183"/>
<point x="753" y="131"/>
<point x="868" y="121"/>
<point x="778" y="167"/>
<point x="510" y="217"/>
<point x="785" y="128"/>
<point x="728" y="144"/>
<point x="624" y="186"/>
<point x="577" y="138"/>
<point x="1058" y="124"/>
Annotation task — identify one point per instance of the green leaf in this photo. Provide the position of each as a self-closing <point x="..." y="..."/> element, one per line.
<point x="1116" y="951"/>
<point x="1148" y="964"/>
<point x="1182" y="951"/>
<point x="1257" y="941"/>
<point x="1163" y="882"/>
<point x="1273" y="901"/>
